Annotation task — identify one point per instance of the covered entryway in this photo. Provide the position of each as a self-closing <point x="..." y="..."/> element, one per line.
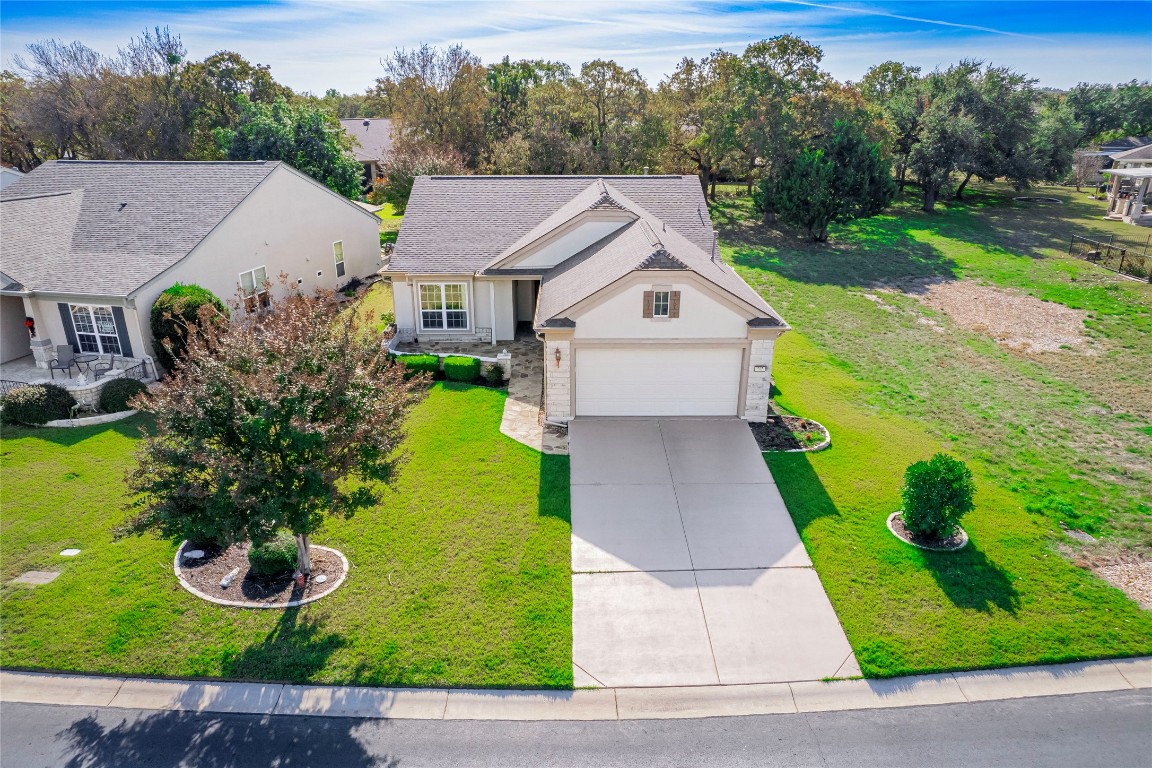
<point x="658" y="380"/>
<point x="14" y="340"/>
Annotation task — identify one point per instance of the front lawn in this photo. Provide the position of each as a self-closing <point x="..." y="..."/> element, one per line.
<point x="461" y="578"/>
<point x="1051" y="436"/>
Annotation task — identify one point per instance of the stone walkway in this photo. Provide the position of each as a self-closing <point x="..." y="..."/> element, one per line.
<point x="523" y="420"/>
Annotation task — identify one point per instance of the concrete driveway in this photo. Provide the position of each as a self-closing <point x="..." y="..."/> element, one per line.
<point x="686" y="567"/>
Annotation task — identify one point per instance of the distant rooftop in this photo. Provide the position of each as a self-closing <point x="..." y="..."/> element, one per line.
<point x="373" y="136"/>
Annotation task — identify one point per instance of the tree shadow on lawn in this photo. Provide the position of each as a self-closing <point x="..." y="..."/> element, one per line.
<point x="209" y="740"/>
<point x="294" y="651"/>
<point x="967" y="577"/>
<point x="874" y="252"/>
<point x="971" y="581"/>
<point x="71" y="436"/>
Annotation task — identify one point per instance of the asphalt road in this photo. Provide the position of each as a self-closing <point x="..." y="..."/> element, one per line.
<point x="1095" y="729"/>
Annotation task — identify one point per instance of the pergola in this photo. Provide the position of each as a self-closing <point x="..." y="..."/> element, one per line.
<point x="1128" y="205"/>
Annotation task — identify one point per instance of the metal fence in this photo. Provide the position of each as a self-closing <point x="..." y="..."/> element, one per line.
<point x="1126" y="257"/>
<point x="138" y="371"/>
<point x="7" y="386"/>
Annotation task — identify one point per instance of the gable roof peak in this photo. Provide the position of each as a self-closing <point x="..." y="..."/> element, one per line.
<point x="661" y="259"/>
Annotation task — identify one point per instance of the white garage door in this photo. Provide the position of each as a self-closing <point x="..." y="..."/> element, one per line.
<point x="658" y="381"/>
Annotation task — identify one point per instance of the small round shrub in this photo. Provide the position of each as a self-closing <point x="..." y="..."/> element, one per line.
<point x="465" y="369"/>
<point x="936" y="494"/>
<point x="274" y="557"/>
<point x="414" y="364"/>
<point x="172" y="312"/>
<point x="116" y="394"/>
<point x="36" y="404"/>
<point x="494" y="374"/>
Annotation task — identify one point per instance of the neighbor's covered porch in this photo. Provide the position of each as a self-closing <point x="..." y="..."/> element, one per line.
<point x="1127" y="190"/>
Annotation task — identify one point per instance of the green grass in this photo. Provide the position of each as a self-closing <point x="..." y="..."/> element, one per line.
<point x="1050" y="437"/>
<point x="460" y="578"/>
<point x="376" y="303"/>
<point x="389" y="223"/>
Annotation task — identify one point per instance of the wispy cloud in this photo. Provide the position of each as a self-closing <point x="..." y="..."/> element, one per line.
<point x="313" y="45"/>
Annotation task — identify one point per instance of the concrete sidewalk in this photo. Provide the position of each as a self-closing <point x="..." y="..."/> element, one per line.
<point x="599" y="704"/>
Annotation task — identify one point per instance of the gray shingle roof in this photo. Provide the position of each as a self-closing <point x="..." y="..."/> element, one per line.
<point x="641" y="245"/>
<point x="373" y="137"/>
<point x="108" y="227"/>
<point x="459" y="224"/>
<point x="1139" y="153"/>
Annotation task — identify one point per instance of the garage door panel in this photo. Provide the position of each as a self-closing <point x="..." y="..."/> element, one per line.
<point x="663" y="381"/>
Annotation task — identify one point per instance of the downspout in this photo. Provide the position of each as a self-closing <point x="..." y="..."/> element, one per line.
<point x="492" y="306"/>
<point x="415" y="308"/>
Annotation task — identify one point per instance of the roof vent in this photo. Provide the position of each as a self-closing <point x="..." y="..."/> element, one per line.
<point x="123" y="206"/>
<point x="367" y="123"/>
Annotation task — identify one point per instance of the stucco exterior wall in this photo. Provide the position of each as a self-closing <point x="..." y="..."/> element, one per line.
<point x="621" y="316"/>
<point x="288" y="224"/>
<point x="569" y="243"/>
<point x="13" y="335"/>
<point x="479" y="301"/>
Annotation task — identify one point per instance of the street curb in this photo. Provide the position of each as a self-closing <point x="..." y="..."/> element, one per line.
<point x="585" y="704"/>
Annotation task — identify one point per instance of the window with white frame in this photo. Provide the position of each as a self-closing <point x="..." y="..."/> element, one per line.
<point x="338" y="254"/>
<point x="95" y="329"/>
<point x="254" y="290"/>
<point x="443" y="306"/>
<point x="661" y="300"/>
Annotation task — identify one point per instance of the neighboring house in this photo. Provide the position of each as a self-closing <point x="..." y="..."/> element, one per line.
<point x="1140" y="157"/>
<point x="373" y="137"/>
<point x="1125" y="143"/>
<point x="87" y="246"/>
<point x="8" y="176"/>
<point x="619" y="275"/>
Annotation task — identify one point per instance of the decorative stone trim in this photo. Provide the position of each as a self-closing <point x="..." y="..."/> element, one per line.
<point x="892" y="530"/>
<point x="251" y="604"/>
<point x="88" y="421"/>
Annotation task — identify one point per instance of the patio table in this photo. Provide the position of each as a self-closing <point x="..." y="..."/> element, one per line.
<point x="86" y="360"/>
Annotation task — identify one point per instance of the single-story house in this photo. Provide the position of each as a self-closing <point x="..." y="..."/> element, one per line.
<point x="1140" y="157"/>
<point x="620" y="276"/>
<point x="373" y="144"/>
<point x="1124" y="143"/>
<point x="88" y="246"/>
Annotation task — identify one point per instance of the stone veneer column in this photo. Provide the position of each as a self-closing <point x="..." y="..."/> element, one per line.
<point x="759" y="383"/>
<point x="557" y="378"/>
<point x="42" y="352"/>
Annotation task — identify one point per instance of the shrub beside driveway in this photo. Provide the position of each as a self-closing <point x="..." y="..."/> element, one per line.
<point x="461" y="578"/>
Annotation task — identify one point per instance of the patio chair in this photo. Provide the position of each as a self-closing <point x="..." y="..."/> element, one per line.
<point x="101" y="369"/>
<point x="65" y="359"/>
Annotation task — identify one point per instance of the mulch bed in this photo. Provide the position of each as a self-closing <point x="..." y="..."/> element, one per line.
<point x="787" y="433"/>
<point x="957" y="540"/>
<point x="205" y="574"/>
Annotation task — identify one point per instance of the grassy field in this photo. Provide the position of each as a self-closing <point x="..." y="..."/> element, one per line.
<point x="1059" y="436"/>
<point x="460" y="578"/>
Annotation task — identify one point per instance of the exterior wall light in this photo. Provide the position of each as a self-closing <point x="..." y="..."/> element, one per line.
<point x="557" y="357"/>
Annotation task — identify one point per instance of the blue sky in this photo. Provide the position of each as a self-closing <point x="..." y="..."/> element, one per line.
<point x="314" y="45"/>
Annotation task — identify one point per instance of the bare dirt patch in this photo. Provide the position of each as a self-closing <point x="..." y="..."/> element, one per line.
<point x="1020" y="322"/>
<point x="1130" y="572"/>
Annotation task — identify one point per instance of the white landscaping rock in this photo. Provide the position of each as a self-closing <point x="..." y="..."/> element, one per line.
<point x="194" y="554"/>
<point x="320" y="579"/>
<point x="227" y="580"/>
<point x="69" y="552"/>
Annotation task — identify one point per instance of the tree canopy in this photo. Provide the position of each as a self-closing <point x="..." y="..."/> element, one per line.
<point x="271" y="423"/>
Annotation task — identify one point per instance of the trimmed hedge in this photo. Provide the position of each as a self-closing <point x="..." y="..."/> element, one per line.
<point x="274" y="557"/>
<point x="116" y="394"/>
<point x="936" y="494"/>
<point x="415" y="364"/>
<point x="36" y="404"/>
<point x="173" y="310"/>
<point x="465" y="369"/>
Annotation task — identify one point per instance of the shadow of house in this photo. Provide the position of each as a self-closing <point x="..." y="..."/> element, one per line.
<point x="215" y="741"/>
<point x="800" y="486"/>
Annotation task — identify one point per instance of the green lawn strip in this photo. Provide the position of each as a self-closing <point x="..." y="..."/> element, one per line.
<point x="389" y="223"/>
<point x="375" y="303"/>
<point x="461" y="578"/>
<point x="1007" y="599"/>
<point x="1062" y="429"/>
